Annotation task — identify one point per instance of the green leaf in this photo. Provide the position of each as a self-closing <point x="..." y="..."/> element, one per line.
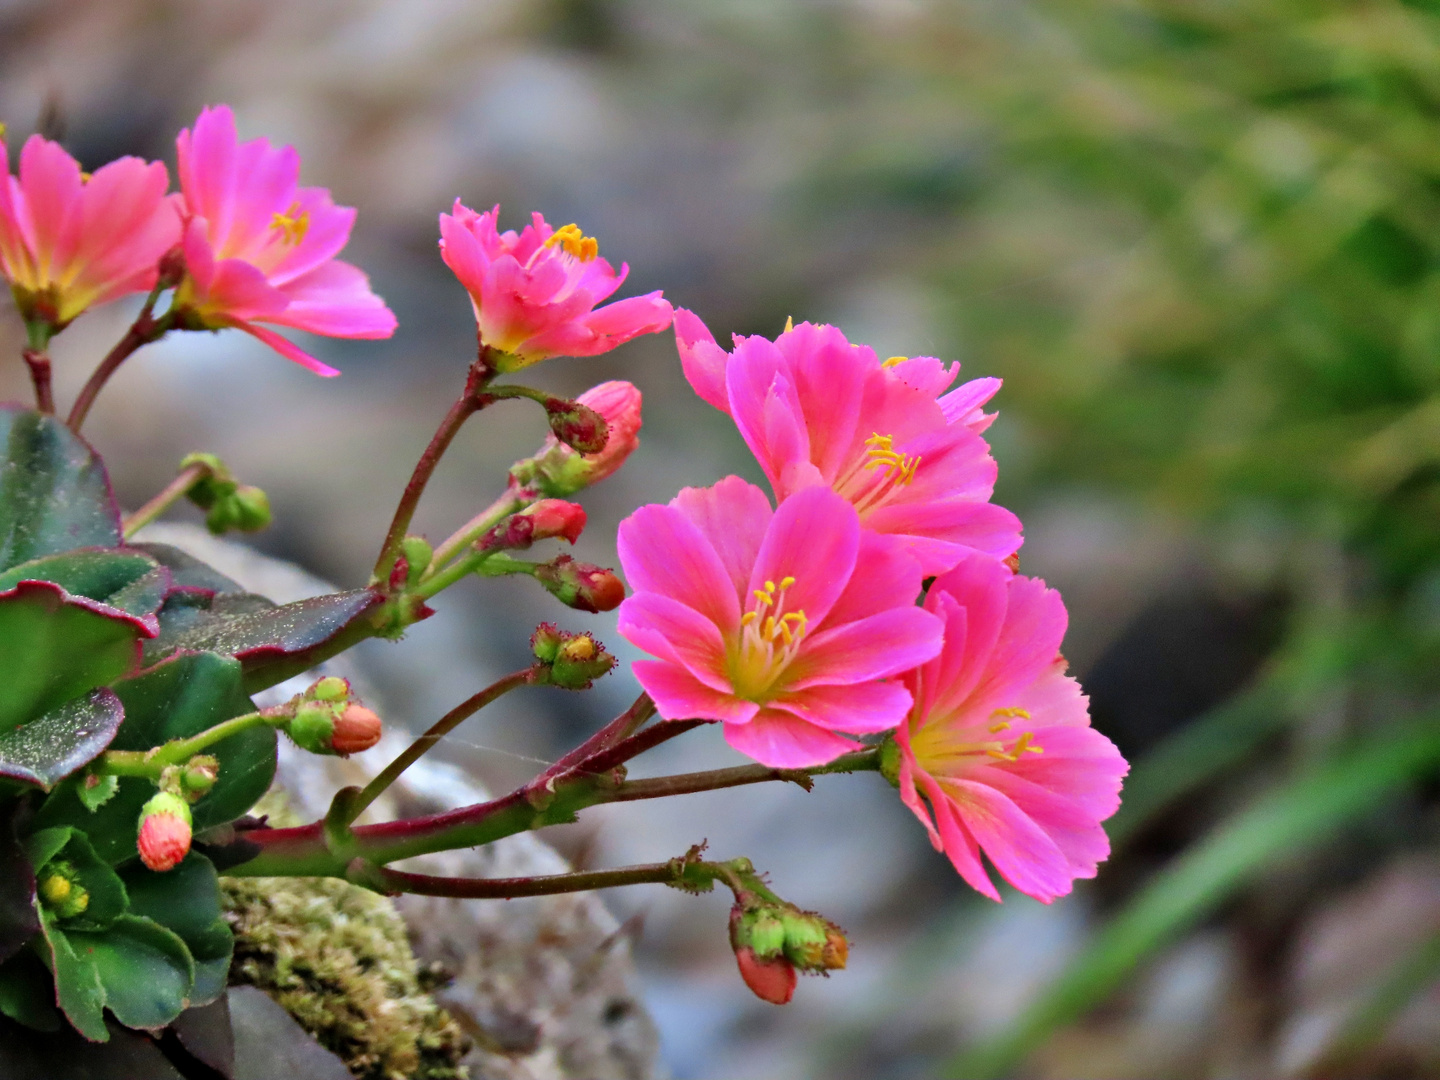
<point x="96" y="791"/>
<point x="27" y="992"/>
<point x="51" y="747"/>
<point x="77" y="983"/>
<point x="92" y="573"/>
<point x="181" y="697"/>
<point x="145" y="970"/>
<point x="54" y="494"/>
<point x="18" y="919"/>
<point x="1298" y="816"/>
<point x="186" y="900"/>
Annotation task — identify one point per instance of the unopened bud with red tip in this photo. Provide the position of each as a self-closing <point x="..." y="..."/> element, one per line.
<point x="558" y="469"/>
<point x="164" y="838"/>
<point x="356" y="729"/>
<point x="756" y="936"/>
<point x="582" y="586"/>
<point x="813" y="942"/>
<point x="544" y="520"/>
<point x="577" y="425"/>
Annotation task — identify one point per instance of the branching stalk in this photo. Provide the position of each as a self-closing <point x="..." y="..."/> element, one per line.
<point x="145" y="329"/>
<point x="167" y="497"/>
<point x="151" y="763"/>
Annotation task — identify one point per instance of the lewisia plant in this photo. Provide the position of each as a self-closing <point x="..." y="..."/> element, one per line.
<point x="864" y="615"/>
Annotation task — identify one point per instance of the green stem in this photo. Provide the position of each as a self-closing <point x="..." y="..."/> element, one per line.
<point x="679" y="873"/>
<point x="475" y="528"/>
<point x="151" y="763"/>
<point x="356" y="804"/>
<point x="170" y="494"/>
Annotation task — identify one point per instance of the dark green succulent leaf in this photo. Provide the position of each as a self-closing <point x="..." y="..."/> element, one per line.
<point x="78" y="991"/>
<point x="145" y="595"/>
<point x="273" y="643"/>
<point x="55" y="647"/>
<point x="94" y="573"/>
<point x="18" y="919"/>
<point x="27" y="992"/>
<point x="54" y="494"/>
<point x="52" y="746"/>
<point x="186" y="900"/>
<point x="107" y="894"/>
<point x="189" y="572"/>
<point x="64" y="1055"/>
<point x="145" y="970"/>
<point x="181" y="697"/>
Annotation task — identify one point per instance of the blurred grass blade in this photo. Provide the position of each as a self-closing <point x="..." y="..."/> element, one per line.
<point x="1199" y="752"/>
<point x="1298" y="816"/>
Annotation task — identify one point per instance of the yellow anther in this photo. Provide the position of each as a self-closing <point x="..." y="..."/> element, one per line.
<point x="580" y="648"/>
<point x="55" y="889"/>
<point x="575" y="242"/>
<point x="1003" y="725"/>
<point x="892" y="361"/>
<point x="1024" y="714"/>
<point x="786" y="582"/>
<point x="1022" y="746"/>
<point x="293" y="224"/>
<point x="789" y="324"/>
<point x="883" y="455"/>
<point x="749" y="617"/>
<point x="85" y="176"/>
<point x="762" y="598"/>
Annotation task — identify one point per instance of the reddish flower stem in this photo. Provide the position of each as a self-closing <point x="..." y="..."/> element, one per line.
<point x="39" y="364"/>
<point x="170" y="494"/>
<point x="145" y="329"/>
<point x="470" y="401"/>
<point x="622" y="727"/>
<point x="691" y="874"/>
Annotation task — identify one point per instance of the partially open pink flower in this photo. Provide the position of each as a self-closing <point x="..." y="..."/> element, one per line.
<point x="816" y="409"/>
<point x="261" y="249"/>
<point x="69" y="241"/>
<point x="999" y="741"/>
<point x="535" y="292"/>
<point x="781" y="624"/>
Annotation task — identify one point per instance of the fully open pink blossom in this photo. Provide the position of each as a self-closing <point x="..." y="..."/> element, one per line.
<point x="815" y="409"/>
<point x="784" y="625"/>
<point x="69" y="241"/>
<point x="535" y="292"/>
<point x="261" y="249"/>
<point x="999" y="741"/>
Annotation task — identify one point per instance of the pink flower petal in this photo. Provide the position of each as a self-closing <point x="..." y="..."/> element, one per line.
<point x="663" y="552"/>
<point x="861" y="708"/>
<point x="733" y="516"/>
<point x="873" y="648"/>
<point x="702" y="360"/>
<point x="1019" y="849"/>
<point x="783" y="741"/>
<point x="814" y="538"/>
<point x="288" y="349"/>
<point x="671" y="631"/>
<point x="678" y="695"/>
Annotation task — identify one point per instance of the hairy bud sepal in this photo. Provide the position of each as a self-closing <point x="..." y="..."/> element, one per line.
<point x="326" y="719"/>
<point x="572" y="661"/>
<point x="582" y="586"/>
<point x="577" y="426"/>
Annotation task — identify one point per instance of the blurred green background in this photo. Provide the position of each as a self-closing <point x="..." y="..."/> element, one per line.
<point x="1199" y="240"/>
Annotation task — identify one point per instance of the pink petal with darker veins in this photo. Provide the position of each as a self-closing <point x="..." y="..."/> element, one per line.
<point x="678" y="695"/>
<point x="859" y="708"/>
<point x="661" y="551"/>
<point x="786" y="742"/>
<point x="814" y="537"/>
<point x="668" y="629"/>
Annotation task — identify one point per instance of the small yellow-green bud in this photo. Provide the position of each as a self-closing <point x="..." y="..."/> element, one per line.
<point x="418" y="553"/>
<point x="331" y="688"/>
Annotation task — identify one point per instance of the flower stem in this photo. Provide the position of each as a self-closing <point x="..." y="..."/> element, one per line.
<point x="681" y="873"/>
<point x="170" y="494"/>
<point x="145" y="329"/>
<point x="357" y="803"/>
<point x="619" y="729"/>
<point x="39" y="364"/>
<point x="466" y="405"/>
<point x="151" y="763"/>
<point x="475" y="528"/>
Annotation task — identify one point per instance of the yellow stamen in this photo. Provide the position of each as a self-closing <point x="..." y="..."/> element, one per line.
<point x="1022" y="746"/>
<point x="883" y="455"/>
<point x="293" y="224"/>
<point x="575" y="242"/>
<point x="85" y="176"/>
<point x="770" y="636"/>
<point x="995" y="729"/>
<point x="789" y="323"/>
<point x="1024" y="714"/>
<point x="892" y="361"/>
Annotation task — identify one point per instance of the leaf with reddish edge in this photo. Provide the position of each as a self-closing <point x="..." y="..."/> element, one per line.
<point x="54" y="494"/>
<point x="277" y="642"/>
<point x="45" y="750"/>
<point x="18" y="921"/>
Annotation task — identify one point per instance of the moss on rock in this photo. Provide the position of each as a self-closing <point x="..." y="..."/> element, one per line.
<point x="336" y="957"/>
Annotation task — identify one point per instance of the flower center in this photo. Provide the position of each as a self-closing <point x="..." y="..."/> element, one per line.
<point x="944" y="748"/>
<point x="883" y="455"/>
<point x="293" y="224"/>
<point x="770" y="638"/>
<point x="574" y="242"/>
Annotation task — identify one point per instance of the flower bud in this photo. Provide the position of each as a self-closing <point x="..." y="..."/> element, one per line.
<point x="770" y="980"/>
<point x="357" y="729"/>
<point x="813" y="942"/>
<point x="251" y="508"/>
<point x="546" y="641"/>
<point x="542" y="520"/>
<point x="59" y="890"/>
<point x="576" y="425"/>
<point x="164" y="838"/>
<point x="757" y="935"/>
<point x="200" y="774"/>
<point x="312" y="726"/>
<point x="582" y="586"/>
<point x="557" y="470"/>
<point x="330" y="688"/>
<point x="575" y="660"/>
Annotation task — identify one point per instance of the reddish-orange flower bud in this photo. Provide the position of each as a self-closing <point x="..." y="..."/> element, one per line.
<point x="164" y="838"/>
<point x="770" y="980"/>
<point x="583" y="586"/>
<point x="544" y="520"/>
<point x="356" y="729"/>
<point x="559" y="470"/>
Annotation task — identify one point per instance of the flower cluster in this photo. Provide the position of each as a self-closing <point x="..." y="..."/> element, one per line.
<point x="797" y="625"/>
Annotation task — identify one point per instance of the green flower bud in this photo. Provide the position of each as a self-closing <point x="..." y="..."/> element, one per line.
<point x="331" y="688"/>
<point x="251" y="508"/>
<point x="313" y="726"/>
<point x="418" y="553"/>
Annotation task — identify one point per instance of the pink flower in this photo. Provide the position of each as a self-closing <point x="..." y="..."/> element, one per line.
<point x="815" y="409"/>
<point x="781" y="624"/>
<point x="260" y="249"/>
<point x="69" y="241"/>
<point x="535" y="292"/>
<point x="999" y="742"/>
